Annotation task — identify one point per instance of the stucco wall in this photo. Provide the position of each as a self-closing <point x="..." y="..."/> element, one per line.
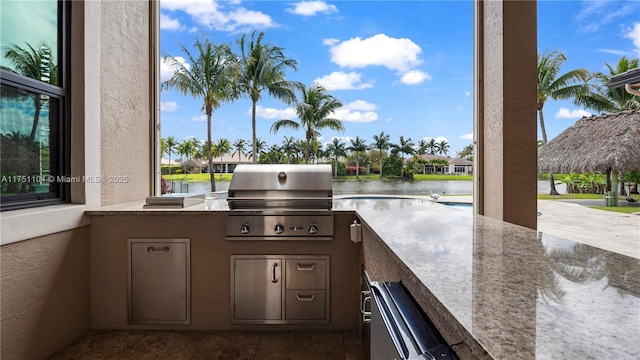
<point x="45" y="294"/>
<point x="125" y="113"/>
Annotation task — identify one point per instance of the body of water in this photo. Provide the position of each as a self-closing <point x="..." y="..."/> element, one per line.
<point x="448" y="187"/>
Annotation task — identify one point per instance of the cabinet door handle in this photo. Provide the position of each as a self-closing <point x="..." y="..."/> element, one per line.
<point x="274" y="279"/>
<point x="152" y="249"/>
<point x="365" y="297"/>
<point x="305" y="297"/>
<point x="305" y="267"/>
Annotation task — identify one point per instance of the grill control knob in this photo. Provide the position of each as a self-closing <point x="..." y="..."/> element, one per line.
<point x="244" y="228"/>
<point x="279" y="229"/>
<point x="313" y="228"/>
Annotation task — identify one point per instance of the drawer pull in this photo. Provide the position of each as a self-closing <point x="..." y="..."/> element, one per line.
<point x="305" y="297"/>
<point x="305" y="267"/>
<point x="152" y="249"/>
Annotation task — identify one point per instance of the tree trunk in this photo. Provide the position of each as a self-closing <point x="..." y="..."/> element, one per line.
<point x="380" y="163"/>
<point x="210" y="154"/>
<point x="357" y="168"/>
<point x="552" y="185"/>
<point x="335" y="171"/>
<point x="254" y="150"/>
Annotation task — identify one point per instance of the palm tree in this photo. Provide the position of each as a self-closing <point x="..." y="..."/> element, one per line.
<point x="274" y="154"/>
<point x="443" y="148"/>
<point x="466" y="152"/>
<point x="423" y="147"/>
<point x="432" y="146"/>
<point x="551" y="85"/>
<point x="289" y="147"/>
<point x="209" y="78"/>
<point x="603" y="99"/>
<point x="186" y="149"/>
<point x="405" y="147"/>
<point x="36" y="63"/>
<point x="239" y="145"/>
<point x="221" y="148"/>
<point x="262" y="67"/>
<point x="314" y="109"/>
<point x="381" y="142"/>
<point x="170" y="145"/>
<point x="337" y="149"/>
<point x="358" y="146"/>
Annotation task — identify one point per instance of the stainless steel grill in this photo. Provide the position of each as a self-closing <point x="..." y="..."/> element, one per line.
<point x="280" y="202"/>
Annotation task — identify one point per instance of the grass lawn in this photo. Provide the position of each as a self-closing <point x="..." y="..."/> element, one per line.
<point x="416" y="177"/>
<point x="570" y="196"/>
<point x="618" y="209"/>
<point x="196" y="177"/>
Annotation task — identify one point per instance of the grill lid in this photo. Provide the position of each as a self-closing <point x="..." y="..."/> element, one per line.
<point x="286" y="187"/>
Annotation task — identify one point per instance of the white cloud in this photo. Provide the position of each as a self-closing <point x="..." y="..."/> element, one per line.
<point x="357" y="111"/>
<point x="339" y="80"/>
<point x="277" y="114"/>
<point x="596" y="14"/>
<point x="330" y="42"/>
<point x="199" y="118"/>
<point x="398" y="54"/>
<point x="414" y="77"/>
<point x="634" y="34"/>
<point x="565" y="113"/>
<point x="219" y="15"/>
<point x="311" y="8"/>
<point x="166" y="72"/>
<point x="467" y="93"/>
<point x="468" y="136"/>
<point x="612" y="51"/>
<point x="395" y="54"/>
<point x="168" y="106"/>
<point x="168" y="23"/>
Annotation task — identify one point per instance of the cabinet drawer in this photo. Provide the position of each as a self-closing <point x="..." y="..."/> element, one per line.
<point x="306" y="305"/>
<point x="306" y="273"/>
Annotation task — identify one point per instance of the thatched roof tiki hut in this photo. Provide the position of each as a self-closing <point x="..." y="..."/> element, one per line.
<point x="607" y="143"/>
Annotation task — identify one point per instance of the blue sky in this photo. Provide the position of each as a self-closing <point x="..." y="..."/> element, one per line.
<point x="402" y="67"/>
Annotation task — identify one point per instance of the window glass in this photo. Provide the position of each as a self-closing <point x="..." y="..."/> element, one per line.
<point x="33" y="100"/>
<point x="28" y="132"/>
<point x="29" y="38"/>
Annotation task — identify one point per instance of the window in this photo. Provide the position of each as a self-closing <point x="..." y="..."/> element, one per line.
<point x="33" y="108"/>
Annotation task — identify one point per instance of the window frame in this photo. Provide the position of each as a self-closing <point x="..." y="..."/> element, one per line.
<point x="62" y="133"/>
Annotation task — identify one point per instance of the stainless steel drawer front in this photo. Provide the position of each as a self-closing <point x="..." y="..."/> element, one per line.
<point x="306" y="274"/>
<point x="305" y="305"/>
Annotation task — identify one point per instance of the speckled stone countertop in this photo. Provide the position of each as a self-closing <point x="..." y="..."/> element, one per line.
<point x="520" y="293"/>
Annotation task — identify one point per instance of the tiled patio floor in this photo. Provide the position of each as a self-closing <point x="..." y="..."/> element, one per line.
<point x="245" y="345"/>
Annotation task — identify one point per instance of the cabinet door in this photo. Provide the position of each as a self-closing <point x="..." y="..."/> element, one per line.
<point x="257" y="289"/>
<point x="159" y="275"/>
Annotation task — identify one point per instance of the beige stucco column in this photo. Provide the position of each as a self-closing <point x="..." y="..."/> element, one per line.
<point x="505" y="126"/>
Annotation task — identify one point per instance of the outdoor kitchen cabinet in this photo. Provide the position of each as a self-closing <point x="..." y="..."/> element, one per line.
<point x="280" y="289"/>
<point x="158" y="281"/>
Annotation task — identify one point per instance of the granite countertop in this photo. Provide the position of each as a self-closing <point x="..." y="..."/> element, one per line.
<point x="205" y="206"/>
<point x="515" y="290"/>
<point x="520" y="293"/>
